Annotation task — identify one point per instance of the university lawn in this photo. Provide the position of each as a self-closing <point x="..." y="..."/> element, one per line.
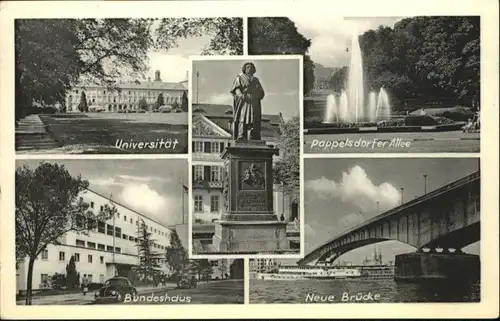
<point x="99" y="132"/>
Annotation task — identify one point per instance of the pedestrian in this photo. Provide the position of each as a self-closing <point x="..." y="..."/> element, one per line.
<point x="85" y="284"/>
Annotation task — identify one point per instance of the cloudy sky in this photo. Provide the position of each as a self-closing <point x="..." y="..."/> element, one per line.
<point x="279" y="78"/>
<point x="330" y="35"/>
<point x="341" y="193"/>
<point x="151" y="187"/>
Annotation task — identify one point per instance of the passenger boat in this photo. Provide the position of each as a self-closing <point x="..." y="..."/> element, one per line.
<point x="308" y="273"/>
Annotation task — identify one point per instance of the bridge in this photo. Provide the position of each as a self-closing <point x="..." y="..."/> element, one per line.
<point x="447" y="218"/>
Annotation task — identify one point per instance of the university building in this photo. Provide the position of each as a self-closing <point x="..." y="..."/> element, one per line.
<point x="211" y="133"/>
<point x="109" y="250"/>
<point x="127" y="95"/>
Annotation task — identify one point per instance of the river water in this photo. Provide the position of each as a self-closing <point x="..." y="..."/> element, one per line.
<point x="337" y="291"/>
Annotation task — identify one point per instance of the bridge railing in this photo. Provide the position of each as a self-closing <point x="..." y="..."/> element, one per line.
<point x="462" y="181"/>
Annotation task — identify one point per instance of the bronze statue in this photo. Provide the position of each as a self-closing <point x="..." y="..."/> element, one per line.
<point x="247" y="112"/>
<point x="253" y="176"/>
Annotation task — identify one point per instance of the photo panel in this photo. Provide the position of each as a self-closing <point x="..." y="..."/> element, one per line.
<point x="246" y="165"/>
<point x="110" y="86"/>
<point x="112" y="231"/>
<point x="382" y="84"/>
<point x="382" y="230"/>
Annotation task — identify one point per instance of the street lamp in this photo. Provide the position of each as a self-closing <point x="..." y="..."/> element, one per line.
<point x="197" y="85"/>
<point x="425" y="183"/>
<point x="402" y="194"/>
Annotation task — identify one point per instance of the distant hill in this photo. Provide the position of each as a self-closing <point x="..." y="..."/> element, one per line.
<point x="322" y="73"/>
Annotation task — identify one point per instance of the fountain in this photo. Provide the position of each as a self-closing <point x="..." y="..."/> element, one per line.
<point x="351" y="106"/>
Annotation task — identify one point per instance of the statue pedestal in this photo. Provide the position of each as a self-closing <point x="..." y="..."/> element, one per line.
<point x="248" y="223"/>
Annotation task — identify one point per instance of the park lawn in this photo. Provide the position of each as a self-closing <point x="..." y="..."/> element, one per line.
<point x="105" y="133"/>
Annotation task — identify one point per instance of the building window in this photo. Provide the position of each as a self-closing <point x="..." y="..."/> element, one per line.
<point x="91" y="245"/>
<point x="45" y="254"/>
<point x="102" y="208"/>
<point x="118" y="232"/>
<point x="125" y="218"/>
<point x="89" y="258"/>
<point x="118" y="249"/>
<point x="109" y="229"/>
<point x="80" y="243"/>
<point x="124" y="236"/>
<point x="131" y="238"/>
<point x="77" y="257"/>
<point x="44" y="278"/>
<point x="214" y="203"/>
<point x="215" y="173"/>
<point x="101" y="259"/>
<point x="198" y="147"/>
<point x="91" y="204"/>
<point x="89" y="276"/>
<point x="101" y="227"/>
<point x="131" y="222"/>
<point x="198" y="173"/>
<point x="109" y="248"/>
<point x="215" y="147"/>
<point x="198" y="203"/>
<point x="81" y="199"/>
<point x="101" y="278"/>
<point x="101" y="247"/>
<point x="61" y="256"/>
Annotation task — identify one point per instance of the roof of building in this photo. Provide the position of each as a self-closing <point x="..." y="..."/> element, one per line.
<point x="222" y="115"/>
<point x="132" y="210"/>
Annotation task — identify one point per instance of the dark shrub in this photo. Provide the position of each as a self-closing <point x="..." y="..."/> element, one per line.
<point x="420" y="120"/>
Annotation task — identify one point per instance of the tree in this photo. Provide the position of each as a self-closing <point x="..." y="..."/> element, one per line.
<point x="223" y="267"/>
<point x="287" y="167"/>
<point x="82" y="106"/>
<point x="206" y="269"/>
<point x="267" y="36"/>
<point x="159" y="101"/>
<point x="148" y="258"/>
<point x="337" y="81"/>
<point x="226" y="34"/>
<point x="72" y="276"/>
<point x="143" y="104"/>
<point x="176" y="255"/>
<point x="54" y="54"/>
<point x="184" y="103"/>
<point x="47" y="207"/>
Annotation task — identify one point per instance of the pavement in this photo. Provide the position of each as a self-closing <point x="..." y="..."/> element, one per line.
<point x="79" y="298"/>
<point x="32" y="135"/>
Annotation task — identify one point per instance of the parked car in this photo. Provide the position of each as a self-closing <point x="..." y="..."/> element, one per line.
<point x="186" y="282"/>
<point x="165" y="109"/>
<point x="115" y="290"/>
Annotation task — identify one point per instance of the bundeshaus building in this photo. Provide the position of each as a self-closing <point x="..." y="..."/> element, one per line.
<point x="126" y="96"/>
<point x="211" y="133"/>
<point x="108" y="250"/>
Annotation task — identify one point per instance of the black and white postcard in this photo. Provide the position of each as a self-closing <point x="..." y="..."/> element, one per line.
<point x="383" y="84"/>
<point x="382" y="230"/>
<point x="111" y="231"/>
<point x="110" y="86"/>
<point x="246" y="155"/>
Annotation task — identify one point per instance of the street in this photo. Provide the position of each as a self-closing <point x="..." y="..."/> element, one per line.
<point x="214" y="292"/>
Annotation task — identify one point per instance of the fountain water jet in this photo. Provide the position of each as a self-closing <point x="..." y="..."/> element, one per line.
<point x="343" y="107"/>
<point x="331" y="112"/>
<point x="355" y="85"/>
<point x="383" y="106"/>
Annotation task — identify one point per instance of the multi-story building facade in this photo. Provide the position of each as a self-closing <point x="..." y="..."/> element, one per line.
<point x="210" y="135"/>
<point x="126" y="96"/>
<point x="108" y="250"/>
<point x="262" y="265"/>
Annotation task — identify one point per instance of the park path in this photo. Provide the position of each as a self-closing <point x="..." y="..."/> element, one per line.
<point x="32" y="135"/>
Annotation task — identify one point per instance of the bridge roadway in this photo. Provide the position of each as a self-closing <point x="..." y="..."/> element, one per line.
<point x="448" y="218"/>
